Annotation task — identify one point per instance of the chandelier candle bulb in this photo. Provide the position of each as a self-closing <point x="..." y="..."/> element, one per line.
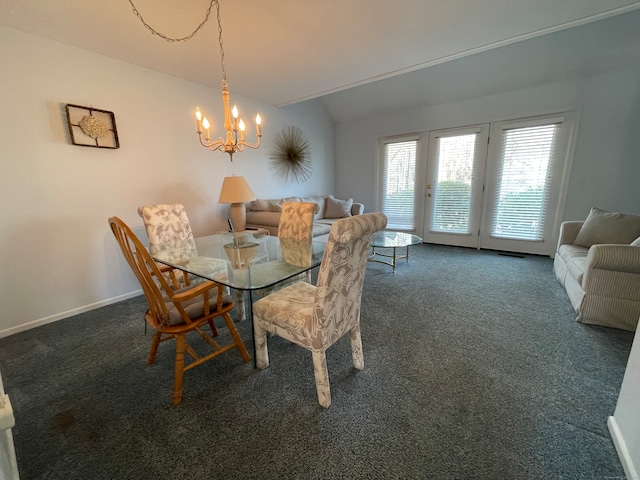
<point x="234" y="113"/>
<point x="241" y="130"/>
<point x="258" y="122"/>
<point x="198" y="120"/>
<point x="205" y="124"/>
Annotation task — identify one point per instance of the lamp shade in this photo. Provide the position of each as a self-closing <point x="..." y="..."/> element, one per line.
<point x="235" y="190"/>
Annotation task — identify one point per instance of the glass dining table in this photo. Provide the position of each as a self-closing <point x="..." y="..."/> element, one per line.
<point x="242" y="261"/>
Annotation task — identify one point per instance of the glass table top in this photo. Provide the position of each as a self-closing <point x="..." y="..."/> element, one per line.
<point x="394" y="239"/>
<point x="241" y="260"/>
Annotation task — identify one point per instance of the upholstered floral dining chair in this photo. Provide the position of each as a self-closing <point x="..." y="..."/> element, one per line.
<point x="315" y="317"/>
<point x="168" y="224"/>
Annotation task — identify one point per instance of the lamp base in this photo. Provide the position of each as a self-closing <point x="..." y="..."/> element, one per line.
<point x="238" y="213"/>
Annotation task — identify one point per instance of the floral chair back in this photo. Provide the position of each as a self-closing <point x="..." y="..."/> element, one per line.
<point x="341" y="276"/>
<point x="166" y="223"/>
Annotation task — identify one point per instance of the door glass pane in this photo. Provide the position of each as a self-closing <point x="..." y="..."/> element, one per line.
<point x="523" y="181"/>
<point x="398" y="185"/>
<point x="453" y="189"/>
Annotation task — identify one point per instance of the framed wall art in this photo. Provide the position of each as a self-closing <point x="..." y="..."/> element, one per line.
<point x="92" y="127"/>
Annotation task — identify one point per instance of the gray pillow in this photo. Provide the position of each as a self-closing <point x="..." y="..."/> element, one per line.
<point x="636" y="242"/>
<point x="338" y="208"/>
<point x="606" y="227"/>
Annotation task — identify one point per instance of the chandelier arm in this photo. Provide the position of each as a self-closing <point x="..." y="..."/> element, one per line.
<point x="137" y="13"/>
<point x="254" y="146"/>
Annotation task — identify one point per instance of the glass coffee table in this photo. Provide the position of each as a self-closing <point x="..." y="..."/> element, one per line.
<point x="394" y="241"/>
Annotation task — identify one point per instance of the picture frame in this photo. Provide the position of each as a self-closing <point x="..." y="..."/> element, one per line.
<point x="92" y="127"/>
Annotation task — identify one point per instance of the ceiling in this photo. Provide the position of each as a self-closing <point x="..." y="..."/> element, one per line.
<point x="284" y="51"/>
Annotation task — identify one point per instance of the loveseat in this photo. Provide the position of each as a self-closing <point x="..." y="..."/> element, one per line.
<point x="598" y="263"/>
<point x="266" y="213"/>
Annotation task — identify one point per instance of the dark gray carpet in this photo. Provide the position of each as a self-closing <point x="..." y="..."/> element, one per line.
<point x="474" y="369"/>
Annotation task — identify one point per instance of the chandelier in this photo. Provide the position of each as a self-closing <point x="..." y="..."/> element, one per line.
<point x="232" y="143"/>
<point x="234" y="128"/>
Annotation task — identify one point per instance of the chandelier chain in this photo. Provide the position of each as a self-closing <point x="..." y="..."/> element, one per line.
<point x="188" y="37"/>
<point x="224" y="74"/>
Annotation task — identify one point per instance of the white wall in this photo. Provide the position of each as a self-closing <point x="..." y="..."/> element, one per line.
<point x="57" y="254"/>
<point x="624" y="425"/>
<point x="606" y="164"/>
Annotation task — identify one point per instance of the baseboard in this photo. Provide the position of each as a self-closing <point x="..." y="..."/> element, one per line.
<point x="621" y="447"/>
<point x="69" y="313"/>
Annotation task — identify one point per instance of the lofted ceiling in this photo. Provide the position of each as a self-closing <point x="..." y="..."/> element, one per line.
<point x="285" y="51"/>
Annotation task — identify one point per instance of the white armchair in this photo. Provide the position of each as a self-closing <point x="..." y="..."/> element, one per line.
<point x="598" y="263"/>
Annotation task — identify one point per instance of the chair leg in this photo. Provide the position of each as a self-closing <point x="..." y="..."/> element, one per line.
<point x="214" y="330"/>
<point x="236" y="337"/>
<point x="181" y="342"/>
<point x="322" y="378"/>
<point x="356" y="347"/>
<point x="154" y="348"/>
<point x="262" y="354"/>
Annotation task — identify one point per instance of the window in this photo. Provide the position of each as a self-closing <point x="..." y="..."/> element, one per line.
<point x="398" y="182"/>
<point x="524" y="176"/>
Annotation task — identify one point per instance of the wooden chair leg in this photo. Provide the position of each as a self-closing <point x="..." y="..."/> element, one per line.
<point x="214" y="330"/>
<point x="356" y="347"/>
<point x="154" y="348"/>
<point x="322" y="378"/>
<point x="236" y="337"/>
<point x="179" y="370"/>
<point x="262" y="354"/>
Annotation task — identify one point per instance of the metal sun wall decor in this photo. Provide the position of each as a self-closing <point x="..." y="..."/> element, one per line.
<point x="92" y="127"/>
<point x="291" y="155"/>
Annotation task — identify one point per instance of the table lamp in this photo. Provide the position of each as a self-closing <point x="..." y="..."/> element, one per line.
<point x="236" y="191"/>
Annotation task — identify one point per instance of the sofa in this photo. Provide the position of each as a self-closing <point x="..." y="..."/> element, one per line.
<point x="265" y="213"/>
<point x="597" y="261"/>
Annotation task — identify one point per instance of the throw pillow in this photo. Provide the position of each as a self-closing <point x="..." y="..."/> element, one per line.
<point x="338" y="208"/>
<point x="636" y="242"/>
<point x="606" y="227"/>
<point x="261" y="205"/>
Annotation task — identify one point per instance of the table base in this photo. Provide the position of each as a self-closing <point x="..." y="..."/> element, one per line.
<point x="394" y="257"/>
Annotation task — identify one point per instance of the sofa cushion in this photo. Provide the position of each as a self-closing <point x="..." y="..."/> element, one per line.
<point x="606" y="227"/>
<point x="320" y="229"/>
<point x="575" y="259"/>
<point x="338" y="208"/>
<point x="263" y="218"/>
<point x="577" y="267"/>
<point x="567" y="252"/>
<point x="320" y="201"/>
<point x="260" y="205"/>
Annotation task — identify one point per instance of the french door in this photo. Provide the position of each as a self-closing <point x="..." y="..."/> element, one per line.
<point x="503" y="191"/>
<point x="455" y="178"/>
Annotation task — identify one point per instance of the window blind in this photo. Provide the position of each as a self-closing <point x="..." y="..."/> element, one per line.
<point x="398" y="184"/>
<point x="455" y="158"/>
<point x="524" y="178"/>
